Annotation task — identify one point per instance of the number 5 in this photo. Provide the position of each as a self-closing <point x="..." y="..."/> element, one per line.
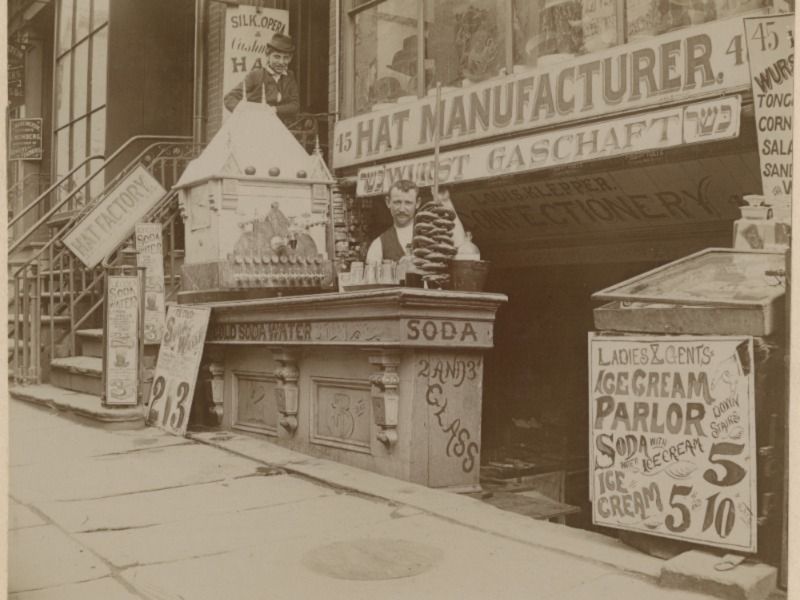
<point x="686" y="516"/>
<point x="734" y="473"/>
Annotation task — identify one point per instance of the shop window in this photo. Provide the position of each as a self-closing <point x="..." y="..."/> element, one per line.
<point x="97" y="145"/>
<point x="99" y="67"/>
<point x="80" y="79"/>
<point x="99" y="13"/>
<point x="385" y="54"/>
<point x="65" y="25"/>
<point x="646" y="18"/>
<point x="82" y="19"/>
<point x="465" y="41"/>
<point x="63" y="68"/>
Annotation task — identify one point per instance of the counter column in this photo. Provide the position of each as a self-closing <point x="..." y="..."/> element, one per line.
<point x="286" y="392"/>
<point x="386" y="395"/>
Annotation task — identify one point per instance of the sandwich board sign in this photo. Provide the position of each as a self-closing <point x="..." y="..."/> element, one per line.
<point x="176" y="369"/>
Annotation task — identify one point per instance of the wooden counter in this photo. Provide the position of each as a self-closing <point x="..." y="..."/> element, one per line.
<point x="387" y="380"/>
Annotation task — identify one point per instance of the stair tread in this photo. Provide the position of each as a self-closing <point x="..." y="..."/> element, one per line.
<point x="85" y="405"/>
<point x="44" y="318"/>
<point x="88" y="365"/>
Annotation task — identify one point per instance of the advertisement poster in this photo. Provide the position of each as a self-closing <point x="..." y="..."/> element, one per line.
<point x="770" y="46"/>
<point x="247" y="31"/>
<point x="25" y="139"/>
<point x="113" y="218"/>
<point x="176" y="370"/>
<point x="122" y="340"/>
<point x="672" y="445"/>
<point x="150" y="255"/>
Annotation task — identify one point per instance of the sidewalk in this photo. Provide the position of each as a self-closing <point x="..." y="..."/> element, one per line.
<point x="141" y="514"/>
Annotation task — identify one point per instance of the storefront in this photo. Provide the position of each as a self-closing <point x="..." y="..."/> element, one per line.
<point x="583" y="143"/>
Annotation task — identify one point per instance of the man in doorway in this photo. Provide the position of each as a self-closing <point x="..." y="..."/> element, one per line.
<point x="401" y="201"/>
<point x="274" y="83"/>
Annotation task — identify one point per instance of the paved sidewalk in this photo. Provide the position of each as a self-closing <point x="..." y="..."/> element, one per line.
<point x="141" y="514"/>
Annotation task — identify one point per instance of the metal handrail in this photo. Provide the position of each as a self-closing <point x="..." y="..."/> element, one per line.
<point x="62" y="232"/>
<point x="39" y="198"/>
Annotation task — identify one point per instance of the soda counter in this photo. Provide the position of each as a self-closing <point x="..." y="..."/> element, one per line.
<point x="388" y="380"/>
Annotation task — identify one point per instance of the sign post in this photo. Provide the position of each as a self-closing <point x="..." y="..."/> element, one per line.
<point x="176" y="370"/>
<point x="122" y="351"/>
<point x="672" y="444"/>
<point x="770" y="46"/>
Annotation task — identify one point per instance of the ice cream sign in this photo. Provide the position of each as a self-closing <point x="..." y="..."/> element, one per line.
<point x="672" y="437"/>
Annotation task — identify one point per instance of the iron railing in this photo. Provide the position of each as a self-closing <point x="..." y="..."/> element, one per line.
<point x="73" y="294"/>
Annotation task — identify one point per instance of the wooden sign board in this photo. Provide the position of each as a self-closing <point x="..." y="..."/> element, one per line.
<point x="176" y="370"/>
<point x="672" y="444"/>
<point x="112" y="220"/>
<point x="150" y="255"/>
<point x="121" y="354"/>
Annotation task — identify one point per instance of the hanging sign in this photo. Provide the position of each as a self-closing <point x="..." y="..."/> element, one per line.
<point x="150" y="255"/>
<point x="121" y="370"/>
<point x="672" y="444"/>
<point x="176" y="369"/>
<point x="712" y="120"/>
<point x="112" y="220"/>
<point x="679" y="66"/>
<point x="25" y="139"/>
<point x="770" y="46"/>
<point x="247" y="31"/>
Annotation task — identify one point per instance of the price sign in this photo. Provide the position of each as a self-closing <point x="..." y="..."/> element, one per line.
<point x="176" y="369"/>
<point x="150" y="255"/>
<point x="672" y="437"/>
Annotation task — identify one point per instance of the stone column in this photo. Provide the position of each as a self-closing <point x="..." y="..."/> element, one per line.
<point x="287" y="395"/>
<point x="385" y="395"/>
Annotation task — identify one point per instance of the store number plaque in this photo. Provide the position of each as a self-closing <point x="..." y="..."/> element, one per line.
<point x="176" y="370"/>
<point x="672" y="437"/>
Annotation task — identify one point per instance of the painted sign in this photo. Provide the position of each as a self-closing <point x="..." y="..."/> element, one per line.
<point x="247" y="31"/>
<point x="672" y="445"/>
<point x="122" y="340"/>
<point x="770" y="46"/>
<point x="25" y="139"/>
<point x="701" y="122"/>
<point x="682" y="65"/>
<point x="680" y="195"/>
<point x="406" y="332"/>
<point x="176" y="369"/>
<point x="150" y="255"/>
<point x="113" y="218"/>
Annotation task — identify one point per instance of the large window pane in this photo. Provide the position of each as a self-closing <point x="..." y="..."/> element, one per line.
<point x="385" y="54"/>
<point x="550" y="31"/>
<point x="97" y="145"/>
<point x="65" y="25"/>
<point x="79" y="154"/>
<point x="652" y="17"/>
<point x="80" y="79"/>
<point x="62" y="89"/>
<point x="82" y="17"/>
<point x="99" y="67"/>
<point x="100" y="13"/>
<point x="466" y="41"/>
<point x="62" y="158"/>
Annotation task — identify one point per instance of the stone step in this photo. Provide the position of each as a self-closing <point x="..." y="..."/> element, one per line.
<point x="85" y="406"/>
<point x="90" y="342"/>
<point x="58" y="320"/>
<point x="78" y="373"/>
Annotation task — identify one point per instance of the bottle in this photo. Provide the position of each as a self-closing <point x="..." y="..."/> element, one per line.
<point x="468" y="250"/>
<point x="413" y="276"/>
<point x="402" y="268"/>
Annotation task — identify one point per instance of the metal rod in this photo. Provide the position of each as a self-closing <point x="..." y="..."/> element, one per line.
<point x="436" y="140"/>
<point x="24" y="325"/>
<point x="36" y="339"/>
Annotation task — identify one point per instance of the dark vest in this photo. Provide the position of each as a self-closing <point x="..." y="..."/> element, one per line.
<point x="392" y="250"/>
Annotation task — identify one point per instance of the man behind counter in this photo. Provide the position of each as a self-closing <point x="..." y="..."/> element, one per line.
<point x="274" y="83"/>
<point x="401" y="200"/>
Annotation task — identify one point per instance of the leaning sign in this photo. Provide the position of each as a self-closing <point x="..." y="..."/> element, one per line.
<point x="680" y="66"/>
<point x="25" y="139"/>
<point x="123" y="311"/>
<point x="708" y="121"/>
<point x="114" y="217"/>
<point x="770" y="45"/>
<point x="176" y="369"/>
<point x="672" y="437"/>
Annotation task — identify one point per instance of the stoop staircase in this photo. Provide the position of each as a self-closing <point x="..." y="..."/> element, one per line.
<point x="55" y="306"/>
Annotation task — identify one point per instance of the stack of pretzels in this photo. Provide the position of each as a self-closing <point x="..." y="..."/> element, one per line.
<point x="432" y="244"/>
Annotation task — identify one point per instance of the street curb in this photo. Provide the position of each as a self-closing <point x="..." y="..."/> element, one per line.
<point x="85" y="407"/>
<point x="755" y="582"/>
